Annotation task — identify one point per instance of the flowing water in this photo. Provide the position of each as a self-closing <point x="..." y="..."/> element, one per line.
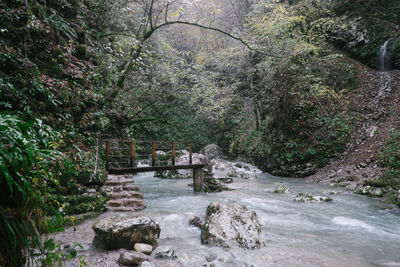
<point x="384" y="58"/>
<point x="352" y="230"/>
<point x="384" y="67"/>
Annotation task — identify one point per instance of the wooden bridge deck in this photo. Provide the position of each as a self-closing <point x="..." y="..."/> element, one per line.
<point x="154" y="168"/>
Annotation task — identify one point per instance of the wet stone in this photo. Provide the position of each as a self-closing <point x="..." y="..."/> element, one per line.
<point x="132" y="258"/>
<point x="143" y="248"/>
<point x="163" y="252"/>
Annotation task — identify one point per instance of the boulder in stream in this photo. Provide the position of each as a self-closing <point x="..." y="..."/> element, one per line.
<point x="282" y="189"/>
<point x="370" y="191"/>
<point x="163" y="252"/>
<point x="125" y="232"/>
<point x="196" y="221"/>
<point x="210" y="184"/>
<point x="231" y="225"/>
<point x="307" y="197"/>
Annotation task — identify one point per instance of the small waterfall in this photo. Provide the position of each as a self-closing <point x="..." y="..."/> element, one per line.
<point x="384" y="58"/>
<point x="384" y="67"/>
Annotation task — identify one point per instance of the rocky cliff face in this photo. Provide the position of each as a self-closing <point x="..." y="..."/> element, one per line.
<point x="361" y="27"/>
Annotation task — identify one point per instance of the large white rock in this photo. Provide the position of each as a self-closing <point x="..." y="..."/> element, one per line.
<point x="125" y="232"/>
<point x="231" y="225"/>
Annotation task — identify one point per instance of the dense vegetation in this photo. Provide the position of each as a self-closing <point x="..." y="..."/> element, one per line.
<point x="266" y="80"/>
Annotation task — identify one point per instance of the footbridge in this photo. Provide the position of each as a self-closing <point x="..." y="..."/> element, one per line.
<point x="132" y="156"/>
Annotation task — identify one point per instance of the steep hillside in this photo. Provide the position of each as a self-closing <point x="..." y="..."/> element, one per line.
<point x="364" y="166"/>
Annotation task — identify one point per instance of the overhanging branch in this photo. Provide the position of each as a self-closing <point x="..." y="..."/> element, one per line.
<point x="216" y="30"/>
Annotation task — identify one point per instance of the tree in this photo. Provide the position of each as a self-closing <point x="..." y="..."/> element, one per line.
<point x="154" y="15"/>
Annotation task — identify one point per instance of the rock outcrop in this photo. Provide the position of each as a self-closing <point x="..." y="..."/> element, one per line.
<point x="231" y="225"/>
<point x="125" y="232"/>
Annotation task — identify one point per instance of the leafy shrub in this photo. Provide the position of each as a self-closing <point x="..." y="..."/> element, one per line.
<point x="29" y="164"/>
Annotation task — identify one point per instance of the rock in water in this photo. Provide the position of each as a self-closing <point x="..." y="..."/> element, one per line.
<point x="282" y="189"/>
<point x="125" y="232"/>
<point x="370" y="191"/>
<point x="211" y="184"/>
<point x="196" y="222"/>
<point x="231" y="225"/>
<point x="163" y="252"/>
<point x="143" y="248"/>
<point x="132" y="258"/>
<point x="307" y="197"/>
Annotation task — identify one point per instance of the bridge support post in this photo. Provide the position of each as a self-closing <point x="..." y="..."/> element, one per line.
<point x="198" y="177"/>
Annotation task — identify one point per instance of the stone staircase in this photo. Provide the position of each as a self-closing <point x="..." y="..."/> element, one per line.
<point x="124" y="195"/>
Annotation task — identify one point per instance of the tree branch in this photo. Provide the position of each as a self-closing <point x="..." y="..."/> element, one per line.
<point x="216" y="30"/>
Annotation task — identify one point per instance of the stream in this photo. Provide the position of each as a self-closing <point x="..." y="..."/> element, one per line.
<point x="351" y="230"/>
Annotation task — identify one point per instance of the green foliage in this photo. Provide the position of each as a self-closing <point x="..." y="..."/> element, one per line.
<point x="49" y="100"/>
<point x="390" y="160"/>
<point x="56" y="255"/>
<point x="390" y="156"/>
<point x="290" y="110"/>
<point x="30" y="165"/>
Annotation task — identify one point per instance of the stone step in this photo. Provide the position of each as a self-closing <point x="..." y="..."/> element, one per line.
<point x="126" y="202"/>
<point x="126" y="194"/>
<point x="126" y="209"/>
<point x="117" y="182"/>
<point x="111" y="176"/>
<point x="114" y="203"/>
<point x="129" y="202"/>
<point x="129" y="187"/>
